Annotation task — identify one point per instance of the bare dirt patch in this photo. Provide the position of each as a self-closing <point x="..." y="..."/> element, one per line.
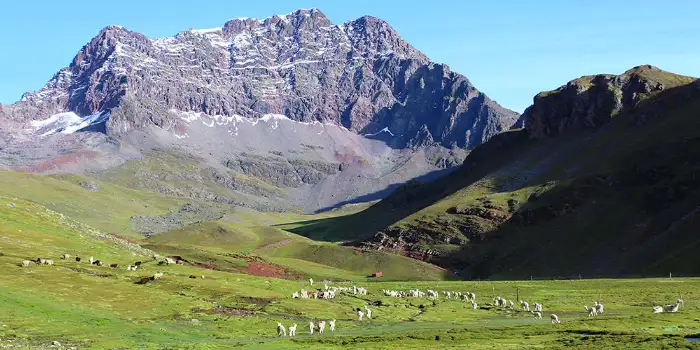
<point x="62" y="161"/>
<point x="257" y="268"/>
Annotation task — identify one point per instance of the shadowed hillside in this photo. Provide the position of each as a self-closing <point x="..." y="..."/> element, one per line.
<point x="616" y="196"/>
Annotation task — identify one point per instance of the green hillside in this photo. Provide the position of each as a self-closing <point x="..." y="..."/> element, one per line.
<point x="621" y="199"/>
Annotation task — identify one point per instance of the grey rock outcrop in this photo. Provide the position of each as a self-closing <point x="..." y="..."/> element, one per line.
<point x="591" y="101"/>
<point x="361" y="75"/>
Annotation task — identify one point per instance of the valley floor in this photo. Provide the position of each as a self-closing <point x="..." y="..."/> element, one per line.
<point x="97" y="307"/>
<point x="240" y="273"/>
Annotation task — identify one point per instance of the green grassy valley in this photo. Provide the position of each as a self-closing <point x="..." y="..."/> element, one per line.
<point x="201" y="306"/>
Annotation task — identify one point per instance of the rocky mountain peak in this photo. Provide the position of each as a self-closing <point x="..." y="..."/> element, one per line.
<point x="290" y="110"/>
<point x="361" y="75"/>
<point x="296" y="21"/>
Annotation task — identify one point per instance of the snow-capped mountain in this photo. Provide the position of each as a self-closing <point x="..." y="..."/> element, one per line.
<point x="298" y="71"/>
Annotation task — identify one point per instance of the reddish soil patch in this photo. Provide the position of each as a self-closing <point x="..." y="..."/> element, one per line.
<point x="60" y="161"/>
<point x="266" y="270"/>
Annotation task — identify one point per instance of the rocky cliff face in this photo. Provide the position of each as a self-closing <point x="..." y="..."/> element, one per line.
<point x="361" y="75"/>
<point x="291" y="111"/>
<point x="591" y="101"/>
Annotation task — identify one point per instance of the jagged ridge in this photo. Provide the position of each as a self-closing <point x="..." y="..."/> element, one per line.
<point x="361" y="75"/>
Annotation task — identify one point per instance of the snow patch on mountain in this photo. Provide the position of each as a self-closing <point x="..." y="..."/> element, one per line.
<point x="272" y="121"/>
<point x="67" y="123"/>
<point x="205" y="31"/>
<point x="386" y="129"/>
<point x="222" y="120"/>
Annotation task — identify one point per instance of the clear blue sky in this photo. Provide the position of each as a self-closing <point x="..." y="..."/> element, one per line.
<point x="510" y="50"/>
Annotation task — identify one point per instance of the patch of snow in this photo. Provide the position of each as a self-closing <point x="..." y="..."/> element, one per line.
<point x="205" y="31"/>
<point x="386" y="129"/>
<point x="271" y="120"/>
<point x="282" y="17"/>
<point x="268" y="117"/>
<point x="282" y="66"/>
<point x="68" y="122"/>
<point x="242" y="39"/>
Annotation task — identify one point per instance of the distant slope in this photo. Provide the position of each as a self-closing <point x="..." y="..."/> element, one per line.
<point x="53" y="215"/>
<point x="611" y="190"/>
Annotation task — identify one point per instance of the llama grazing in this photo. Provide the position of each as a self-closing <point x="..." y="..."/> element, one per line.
<point x="498" y="301"/>
<point x="537" y="314"/>
<point x="555" y="318"/>
<point x="293" y="330"/>
<point x="157" y="276"/>
<point x="48" y="262"/>
<point x="591" y="311"/>
<point x="599" y="307"/>
<point x="26" y="263"/>
<point x="524" y="306"/>
<point x="672" y="307"/>
<point x="281" y="331"/>
<point x="65" y="257"/>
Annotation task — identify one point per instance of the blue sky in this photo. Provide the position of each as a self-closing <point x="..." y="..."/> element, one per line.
<point x="510" y="50"/>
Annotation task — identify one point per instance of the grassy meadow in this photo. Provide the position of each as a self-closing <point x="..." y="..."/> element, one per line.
<point x="242" y="271"/>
